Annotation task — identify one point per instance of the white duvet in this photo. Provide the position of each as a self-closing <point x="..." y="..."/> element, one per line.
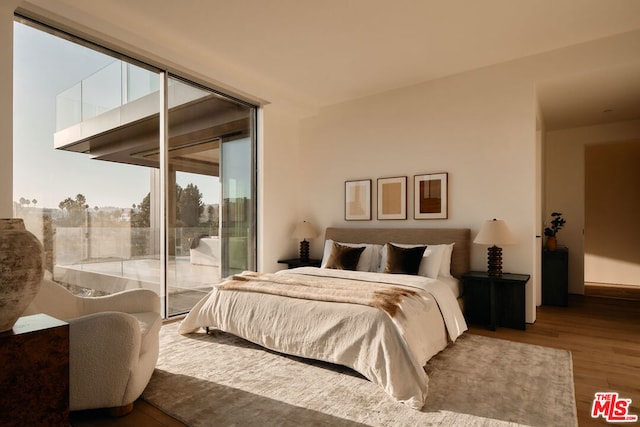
<point x="389" y="352"/>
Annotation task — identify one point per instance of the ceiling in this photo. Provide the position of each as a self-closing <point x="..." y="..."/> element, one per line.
<point x="603" y="95"/>
<point x="314" y="53"/>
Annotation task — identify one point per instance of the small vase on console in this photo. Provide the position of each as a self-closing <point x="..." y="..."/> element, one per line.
<point x="556" y="224"/>
<point x="21" y="270"/>
<point x="552" y="243"/>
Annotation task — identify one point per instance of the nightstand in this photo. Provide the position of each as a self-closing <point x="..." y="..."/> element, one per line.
<point x="495" y="300"/>
<point x="297" y="262"/>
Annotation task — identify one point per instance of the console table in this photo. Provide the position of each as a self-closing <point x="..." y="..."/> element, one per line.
<point x="34" y="378"/>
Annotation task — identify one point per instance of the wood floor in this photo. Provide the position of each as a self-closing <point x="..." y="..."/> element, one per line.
<point x="602" y="334"/>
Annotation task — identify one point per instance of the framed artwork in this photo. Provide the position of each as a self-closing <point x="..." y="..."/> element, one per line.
<point x="357" y="200"/>
<point x="430" y="196"/>
<point x="392" y="198"/>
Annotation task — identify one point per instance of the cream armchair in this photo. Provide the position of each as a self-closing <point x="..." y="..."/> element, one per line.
<point x="114" y="343"/>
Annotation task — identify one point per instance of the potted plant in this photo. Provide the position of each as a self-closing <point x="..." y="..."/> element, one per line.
<point x="557" y="222"/>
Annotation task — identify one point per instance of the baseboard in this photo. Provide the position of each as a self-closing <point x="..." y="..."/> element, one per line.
<point x="605" y="290"/>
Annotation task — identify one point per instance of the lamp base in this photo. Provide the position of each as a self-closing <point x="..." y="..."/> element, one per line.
<point x="494" y="263"/>
<point x="304" y="250"/>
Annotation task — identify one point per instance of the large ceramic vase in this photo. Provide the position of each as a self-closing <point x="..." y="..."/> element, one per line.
<point x="21" y="270"/>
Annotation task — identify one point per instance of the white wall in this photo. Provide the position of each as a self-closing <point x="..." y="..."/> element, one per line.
<point x="537" y="246"/>
<point x="564" y="184"/>
<point x="280" y="178"/>
<point x="478" y="126"/>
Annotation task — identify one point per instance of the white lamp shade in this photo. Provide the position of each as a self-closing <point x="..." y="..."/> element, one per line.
<point x="304" y="230"/>
<point x="494" y="232"/>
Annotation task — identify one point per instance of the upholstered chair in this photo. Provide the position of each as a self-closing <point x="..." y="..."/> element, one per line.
<point x="114" y="343"/>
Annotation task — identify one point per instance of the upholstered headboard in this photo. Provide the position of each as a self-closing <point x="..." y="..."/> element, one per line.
<point x="460" y="259"/>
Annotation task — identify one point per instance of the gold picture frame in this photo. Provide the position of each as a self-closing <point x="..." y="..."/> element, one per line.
<point x="392" y="198"/>
<point x="431" y="196"/>
<point x="357" y="200"/>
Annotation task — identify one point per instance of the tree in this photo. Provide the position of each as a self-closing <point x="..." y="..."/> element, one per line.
<point x="142" y="216"/>
<point x="74" y="209"/>
<point x="190" y="205"/>
<point x="140" y="220"/>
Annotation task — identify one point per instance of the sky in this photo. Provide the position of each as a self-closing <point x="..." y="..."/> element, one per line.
<point x="44" y="66"/>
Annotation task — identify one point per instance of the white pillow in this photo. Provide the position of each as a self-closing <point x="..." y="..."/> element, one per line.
<point x="430" y="264"/>
<point x="376" y="255"/>
<point x="447" y="250"/>
<point x="368" y="257"/>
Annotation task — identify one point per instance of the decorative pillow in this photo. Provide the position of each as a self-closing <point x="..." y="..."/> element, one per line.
<point x="447" y="250"/>
<point x="404" y="260"/>
<point x="431" y="259"/>
<point x="369" y="259"/>
<point x="344" y="257"/>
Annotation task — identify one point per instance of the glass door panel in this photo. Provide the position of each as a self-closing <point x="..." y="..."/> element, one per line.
<point x="193" y="190"/>
<point x="82" y="181"/>
<point x="206" y="131"/>
<point x="238" y="217"/>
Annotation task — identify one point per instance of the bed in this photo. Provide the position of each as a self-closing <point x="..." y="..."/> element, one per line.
<point x="384" y="326"/>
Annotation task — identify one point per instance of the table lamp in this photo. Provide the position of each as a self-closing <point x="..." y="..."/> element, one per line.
<point x="304" y="231"/>
<point x="494" y="232"/>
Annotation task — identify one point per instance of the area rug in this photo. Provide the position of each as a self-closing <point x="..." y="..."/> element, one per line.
<point x="222" y="380"/>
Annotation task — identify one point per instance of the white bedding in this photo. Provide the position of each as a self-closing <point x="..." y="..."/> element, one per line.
<point x="390" y="352"/>
<point x="453" y="284"/>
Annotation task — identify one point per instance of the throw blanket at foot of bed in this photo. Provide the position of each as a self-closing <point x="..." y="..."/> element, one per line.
<point x="379" y="295"/>
<point x="384" y="331"/>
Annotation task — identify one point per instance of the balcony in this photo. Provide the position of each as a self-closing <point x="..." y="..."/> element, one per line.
<point x="113" y="115"/>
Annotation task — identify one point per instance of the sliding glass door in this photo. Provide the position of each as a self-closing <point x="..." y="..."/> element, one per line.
<point x="117" y="203"/>
<point x="200" y="245"/>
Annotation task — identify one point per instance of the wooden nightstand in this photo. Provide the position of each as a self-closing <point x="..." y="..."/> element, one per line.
<point x="297" y="262"/>
<point x="495" y="300"/>
<point x="34" y="378"/>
